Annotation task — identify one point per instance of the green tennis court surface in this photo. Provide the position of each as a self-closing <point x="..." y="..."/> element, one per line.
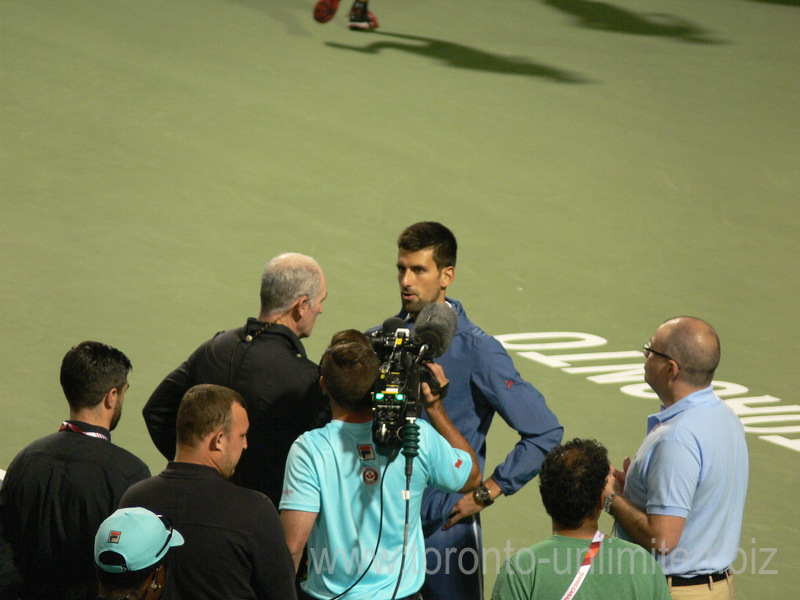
<point x="604" y="165"/>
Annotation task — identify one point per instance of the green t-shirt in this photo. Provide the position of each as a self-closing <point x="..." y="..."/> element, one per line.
<point x="544" y="571"/>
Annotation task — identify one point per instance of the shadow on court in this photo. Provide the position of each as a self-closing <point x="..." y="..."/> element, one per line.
<point x="602" y="15"/>
<point x="462" y="57"/>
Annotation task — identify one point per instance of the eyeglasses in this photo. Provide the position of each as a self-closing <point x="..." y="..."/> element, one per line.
<point x="647" y="350"/>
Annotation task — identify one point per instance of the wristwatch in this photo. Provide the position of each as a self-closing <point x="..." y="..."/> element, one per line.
<point x="482" y="495"/>
<point x="607" y="502"/>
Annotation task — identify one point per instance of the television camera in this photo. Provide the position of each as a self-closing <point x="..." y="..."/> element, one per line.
<point x="402" y="352"/>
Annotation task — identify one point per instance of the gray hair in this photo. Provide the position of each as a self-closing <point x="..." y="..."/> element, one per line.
<point x="286" y="278"/>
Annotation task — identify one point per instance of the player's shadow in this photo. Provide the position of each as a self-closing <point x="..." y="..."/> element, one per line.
<point x="462" y="57"/>
<point x="602" y="15"/>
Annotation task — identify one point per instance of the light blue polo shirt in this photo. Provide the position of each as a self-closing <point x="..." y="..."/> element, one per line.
<point x="693" y="463"/>
<point x="336" y="471"/>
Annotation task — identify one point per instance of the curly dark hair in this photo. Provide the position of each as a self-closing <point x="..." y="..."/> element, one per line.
<point x="572" y="479"/>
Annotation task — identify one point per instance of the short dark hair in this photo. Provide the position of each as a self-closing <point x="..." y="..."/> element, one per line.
<point x="90" y="370"/>
<point x="430" y="234"/>
<point x="120" y="583"/>
<point x="204" y="409"/>
<point x="350" y="368"/>
<point x="572" y="480"/>
<point x="694" y="345"/>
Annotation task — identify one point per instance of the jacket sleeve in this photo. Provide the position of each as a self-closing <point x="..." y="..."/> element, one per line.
<point x="523" y="408"/>
<point x="273" y="567"/>
<point x="161" y="411"/>
<point x="10" y="578"/>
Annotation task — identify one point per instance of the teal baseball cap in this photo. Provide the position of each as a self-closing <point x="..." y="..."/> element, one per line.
<point x="133" y="539"/>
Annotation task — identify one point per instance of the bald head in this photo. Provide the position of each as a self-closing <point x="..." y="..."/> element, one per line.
<point x="286" y="278"/>
<point x="694" y="345"/>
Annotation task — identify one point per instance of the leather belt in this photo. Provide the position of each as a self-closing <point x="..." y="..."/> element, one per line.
<point x="678" y="581"/>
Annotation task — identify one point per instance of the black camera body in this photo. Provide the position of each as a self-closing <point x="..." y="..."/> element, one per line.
<point x="396" y="393"/>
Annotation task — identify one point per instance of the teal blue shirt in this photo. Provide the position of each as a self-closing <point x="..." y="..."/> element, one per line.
<point x="336" y="471"/>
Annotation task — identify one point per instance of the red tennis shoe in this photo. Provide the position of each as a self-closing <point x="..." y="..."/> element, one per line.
<point x="325" y="10"/>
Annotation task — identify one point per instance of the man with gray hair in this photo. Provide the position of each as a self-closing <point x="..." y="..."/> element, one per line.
<point x="265" y="362"/>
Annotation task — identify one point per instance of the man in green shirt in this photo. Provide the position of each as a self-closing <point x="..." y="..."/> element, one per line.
<point x="578" y="556"/>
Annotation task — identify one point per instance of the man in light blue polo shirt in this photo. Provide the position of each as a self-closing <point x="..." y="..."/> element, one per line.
<point x="683" y="494"/>
<point x="346" y="498"/>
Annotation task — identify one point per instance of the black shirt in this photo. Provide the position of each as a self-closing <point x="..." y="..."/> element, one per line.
<point x="278" y="383"/>
<point x="234" y="545"/>
<point x="56" y="493"/>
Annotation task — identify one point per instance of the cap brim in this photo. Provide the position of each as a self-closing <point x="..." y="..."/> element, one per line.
<point x="177" y="539"/>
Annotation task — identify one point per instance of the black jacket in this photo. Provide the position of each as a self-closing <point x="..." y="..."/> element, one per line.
<point x="55" y="494"/>
<point x="278" y="383"/>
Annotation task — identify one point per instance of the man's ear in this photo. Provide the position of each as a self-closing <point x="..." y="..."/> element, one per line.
<point x="299" y="308"/>
<point x="215" y="442"/>
<point x="674" y="369"/>
<point x="447" y="276"/>
<point x="111" y="398"/>
<point x="323" y="385"/>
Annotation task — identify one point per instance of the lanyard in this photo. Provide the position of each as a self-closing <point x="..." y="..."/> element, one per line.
<point x="585" y="566"/>
<point x="67" y="426"/>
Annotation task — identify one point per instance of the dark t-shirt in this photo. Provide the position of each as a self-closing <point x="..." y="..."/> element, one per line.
<point x="234" y="544"/>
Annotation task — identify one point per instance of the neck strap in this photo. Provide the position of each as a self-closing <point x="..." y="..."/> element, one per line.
<point x="67" y="426"/>
<point x="594" y="547"/>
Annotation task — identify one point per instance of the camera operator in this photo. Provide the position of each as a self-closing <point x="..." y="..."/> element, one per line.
<point x="345" y="496"/>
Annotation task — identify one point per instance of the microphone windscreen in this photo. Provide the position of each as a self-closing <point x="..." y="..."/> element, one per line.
<point x="435" y="326"/>
<point x="392" y="324"/>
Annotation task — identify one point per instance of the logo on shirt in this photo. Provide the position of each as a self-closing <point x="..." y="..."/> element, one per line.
<point x="370" y="476"/>
<point x="509" y="383"/>
<point x="459" y="462"/>
<point x="113" y="537"/>
<point x="366" y="452"/>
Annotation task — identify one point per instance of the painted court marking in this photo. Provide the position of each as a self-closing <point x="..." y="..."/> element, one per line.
<point x="764" y="416"/>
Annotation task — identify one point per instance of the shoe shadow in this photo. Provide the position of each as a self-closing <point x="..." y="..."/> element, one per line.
<point x="462" y="57"/>
<point x="602" y="15"/>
